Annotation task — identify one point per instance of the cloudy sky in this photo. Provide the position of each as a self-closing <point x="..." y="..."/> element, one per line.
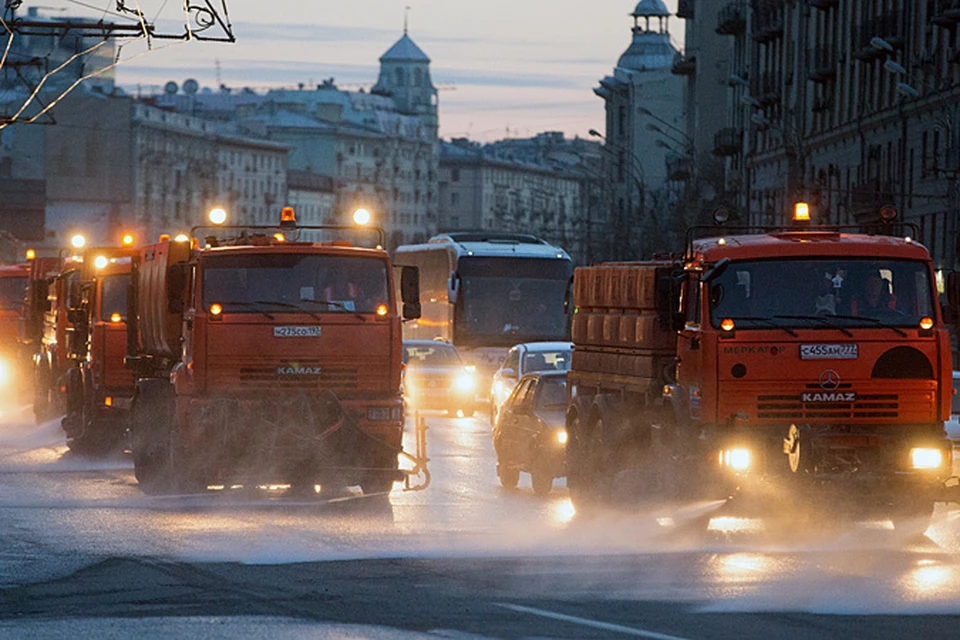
<point x="504" y="67"/>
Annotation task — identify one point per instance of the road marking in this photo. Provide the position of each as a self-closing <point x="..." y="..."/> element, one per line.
<point x="586" y="622"/>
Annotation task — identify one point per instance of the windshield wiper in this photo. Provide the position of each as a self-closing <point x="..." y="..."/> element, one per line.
<point x="338" y="305"/>
<point x="821" y="320"/>
<point x="249" y="305"/>
<point x="768" y="321"/>
<point x="289" y="305"/>
<point x="869" y="319"/>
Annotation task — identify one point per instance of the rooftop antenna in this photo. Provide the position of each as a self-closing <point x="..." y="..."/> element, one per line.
<point x="406" y="14"/>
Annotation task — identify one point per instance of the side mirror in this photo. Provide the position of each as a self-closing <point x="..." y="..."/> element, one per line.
<point x="453" y="288"/>
<point x="410" y="286"/>
<point x="411" y="310"/>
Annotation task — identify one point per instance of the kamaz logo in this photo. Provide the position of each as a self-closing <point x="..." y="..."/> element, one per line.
<point x="835" y="396"/>
<point x="299" y="371"/>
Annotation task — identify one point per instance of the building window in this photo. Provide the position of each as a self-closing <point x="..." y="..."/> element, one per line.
<point x="454" y="199"/>
<point x="455" y="174"/>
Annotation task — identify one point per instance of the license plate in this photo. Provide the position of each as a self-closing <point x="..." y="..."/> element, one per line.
<point x="297" y="332"/>
<point x="829" y="352"/>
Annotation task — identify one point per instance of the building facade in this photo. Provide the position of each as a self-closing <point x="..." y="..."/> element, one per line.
<point x="849" y="105"/>
<point x="380" y="147"/>
<point x="643" y="101"/>
<point x="488" y="187"/>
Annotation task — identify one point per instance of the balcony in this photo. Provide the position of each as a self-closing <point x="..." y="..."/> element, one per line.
<point x="728" y="142"/>
<point x="685" y="9"/>
<point x="822" y="62"/>
<point x="769" y="88"/>
<point x="886" y="27"/>
<point x="823" y="4"/>
<point x="732" y="18"/>
<point x="945" y="13"/>
<point x="683" y="65"/>
<point x="679" y="168"/>
<point x="767" y="20"/>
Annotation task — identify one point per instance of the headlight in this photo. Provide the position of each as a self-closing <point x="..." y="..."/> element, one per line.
<point x="464" y="382"/>
<point x="562" y="436"/>
<point x="922" y="458"/>
<point x="5" y="373"/>
<point x="736" y="459"/>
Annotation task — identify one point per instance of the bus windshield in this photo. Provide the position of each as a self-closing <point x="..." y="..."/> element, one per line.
<point x="266" y="283"/>
<point x="822" y="293"/>
<point x="510" y="300"/>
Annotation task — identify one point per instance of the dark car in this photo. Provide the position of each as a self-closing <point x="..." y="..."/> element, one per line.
<point x="530" y="433"/>
<point x="435" y="378"/>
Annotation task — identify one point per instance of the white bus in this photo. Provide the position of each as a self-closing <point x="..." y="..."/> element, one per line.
<point x="486" y="291"/>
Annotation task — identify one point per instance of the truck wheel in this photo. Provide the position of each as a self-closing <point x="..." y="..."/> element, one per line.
<point x="509" y="476"/>
<point x="578" y="476"/>
<point x="42" y="402"/>
<point x="151" y="422"/>
<point x="542" y="483"/>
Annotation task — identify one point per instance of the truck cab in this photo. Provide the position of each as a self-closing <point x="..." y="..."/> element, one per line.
<point x="818" y="357"/>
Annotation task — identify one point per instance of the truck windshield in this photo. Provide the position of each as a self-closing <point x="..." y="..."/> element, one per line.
<point x="823" y="293"/>
<point x="113" y="294"/>
<point x="335" y="284"/>
<point x="510" y="300"/>
<point x="12" y="291"/>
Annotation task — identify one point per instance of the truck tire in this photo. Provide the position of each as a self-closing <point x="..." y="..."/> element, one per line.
<point x="42" y="383"/>
<point x="542" y="482"/>
<point x="92" y="435"/>
<point x="151" y="427"/>
<point x="509" y="476"/>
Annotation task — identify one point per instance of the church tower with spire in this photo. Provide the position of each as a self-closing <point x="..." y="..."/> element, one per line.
<point x="405" y="77"/>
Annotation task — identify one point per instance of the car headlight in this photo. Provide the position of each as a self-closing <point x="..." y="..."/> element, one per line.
<point x="561" y="436"/>
<point x="923" y="458"/>
<point x="5" y="373"/>
<point x="464" y="382"/>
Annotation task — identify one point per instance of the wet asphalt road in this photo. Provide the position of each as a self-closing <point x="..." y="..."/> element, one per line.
<point x="86" y="554"/>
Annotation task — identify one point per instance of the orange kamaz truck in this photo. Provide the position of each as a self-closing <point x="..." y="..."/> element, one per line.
<point x="97" y="385"/>
<point x="807" y="369"/>
<point x="263" y="359"/>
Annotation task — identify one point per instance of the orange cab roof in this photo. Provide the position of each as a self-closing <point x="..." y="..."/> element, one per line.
<point x="806" y="243"/>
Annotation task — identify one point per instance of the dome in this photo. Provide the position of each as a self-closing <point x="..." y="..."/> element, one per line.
<point x="649" y="50"/>
<point x="650" y="9"/>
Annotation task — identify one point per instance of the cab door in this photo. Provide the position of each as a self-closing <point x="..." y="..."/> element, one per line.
<point x="689" y="347"/>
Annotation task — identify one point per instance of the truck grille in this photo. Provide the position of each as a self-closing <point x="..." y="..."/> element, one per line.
<point x="268" y="377"/>
<point x="790" y="407"/>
